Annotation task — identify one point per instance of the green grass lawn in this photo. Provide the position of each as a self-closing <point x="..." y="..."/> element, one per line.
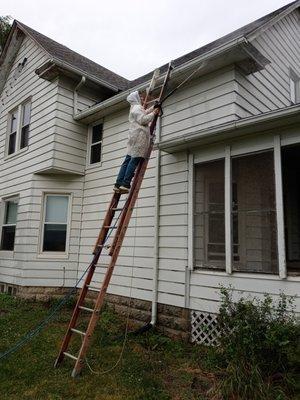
<point x="152" y="366"/>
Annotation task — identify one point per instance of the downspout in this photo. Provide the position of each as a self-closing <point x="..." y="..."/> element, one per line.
<point x="156" y="229"/>
<point x="75" y="94"/>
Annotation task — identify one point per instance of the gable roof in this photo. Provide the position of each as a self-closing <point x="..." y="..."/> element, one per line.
<point x="66" y="55"/>
<point x="89" y="67"/>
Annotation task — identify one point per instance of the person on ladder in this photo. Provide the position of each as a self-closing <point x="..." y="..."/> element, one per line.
<point x="138" y="140"/>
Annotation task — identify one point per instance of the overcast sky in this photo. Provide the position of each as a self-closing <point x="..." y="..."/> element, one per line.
<point x="132" y="37"/>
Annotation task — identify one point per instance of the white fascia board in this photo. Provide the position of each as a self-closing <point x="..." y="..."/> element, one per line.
<point x="120" y="98"/>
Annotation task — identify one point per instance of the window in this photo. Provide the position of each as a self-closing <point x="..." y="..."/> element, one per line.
<point x="13" y="132"/>
<point x="253" y="213"/>
<point x="291" y="199"/>
<point x="25" y="125"/>
<point x="9" y="225"/>
<point x="209" y="215"/>
<point x="19" y="122"/>
<point x="294" y="87"/>
<point x="96" y="143"/>
<point x="55" y="223"/>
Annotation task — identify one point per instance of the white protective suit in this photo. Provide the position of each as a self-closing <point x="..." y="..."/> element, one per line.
<point x="139" y="132"/>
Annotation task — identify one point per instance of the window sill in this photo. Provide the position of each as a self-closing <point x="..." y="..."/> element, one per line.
<point x="16" y="154"/>
<point x="251" y="275"/>
<point x="7" y="253"/>
<point x="93" y="166"/>
<point x="53" y="256"/>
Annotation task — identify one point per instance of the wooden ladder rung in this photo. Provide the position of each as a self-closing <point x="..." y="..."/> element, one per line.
<point x="77" y="331"/>
<point x="110" y="227"/>
<point x="117" y="209"/>
<point x="70" y="356"/>
<point x="86" y="309"/>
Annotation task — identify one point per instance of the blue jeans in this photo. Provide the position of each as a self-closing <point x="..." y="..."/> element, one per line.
<point x="127" y="170"/>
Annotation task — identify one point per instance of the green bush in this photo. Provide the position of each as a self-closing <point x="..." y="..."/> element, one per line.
<point x="259" y="347"/>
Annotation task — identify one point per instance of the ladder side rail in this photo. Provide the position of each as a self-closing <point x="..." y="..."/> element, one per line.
<point x="87" y="281"/>
<point x="100" y="299"/>
<point x="107" y="221"/>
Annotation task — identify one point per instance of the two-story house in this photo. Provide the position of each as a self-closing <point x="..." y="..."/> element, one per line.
<point x="220" y="202"/>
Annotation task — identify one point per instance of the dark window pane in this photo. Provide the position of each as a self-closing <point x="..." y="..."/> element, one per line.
<point x="24" y="136"/>
<point x="97" y="133"/>
<point x="95" y="153"/>
<point x="12" y="143"/>
<point x="8" y="237"/>
<point x="26" y="114"/>
<point x="54" y="237"/>
<point x="13" y="123"/>
<point x="291" y="198"/>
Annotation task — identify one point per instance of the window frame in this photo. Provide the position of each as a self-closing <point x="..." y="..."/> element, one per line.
<point x="90" y="165"/>
<point x="54" y="254"/>
<point x="241" y="147"/>
<point x="20" y="113"/>
<point x="14" y="198"/>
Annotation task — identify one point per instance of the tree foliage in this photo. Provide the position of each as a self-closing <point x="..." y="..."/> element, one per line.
<point x="5" y="25"/>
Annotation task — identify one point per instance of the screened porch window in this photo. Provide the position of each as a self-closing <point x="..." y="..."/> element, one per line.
<point x="55" y="225"/>
<point x="254" y="213"/>
<point x="291" y="199"/>
<point x="9" y="225"/>
<point x="209" y="239"/>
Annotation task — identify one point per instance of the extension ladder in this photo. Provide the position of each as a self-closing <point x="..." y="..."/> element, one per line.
<point x="123" y="221"/>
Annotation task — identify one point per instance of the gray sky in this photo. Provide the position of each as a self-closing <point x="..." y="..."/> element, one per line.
<point x="132" y="37"/>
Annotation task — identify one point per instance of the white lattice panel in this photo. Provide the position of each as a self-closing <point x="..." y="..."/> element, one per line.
<point x="204" y="328"/>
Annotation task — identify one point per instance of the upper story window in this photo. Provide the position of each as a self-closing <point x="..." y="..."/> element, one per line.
<point x="294" y="87"/>
<point x="18" y="133"/>
<point x="9" y="221"/>
<point x="96" y="143"/>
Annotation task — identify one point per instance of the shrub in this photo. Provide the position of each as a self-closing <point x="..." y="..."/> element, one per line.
<point x="258" y="343"/>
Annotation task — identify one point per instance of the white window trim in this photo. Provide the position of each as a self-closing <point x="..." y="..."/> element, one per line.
<point x="89" y="145"/>
<point x="249" y="146"/>
<point x="19" y="109"/>
<point x="54" y="254"/>
<point x="4" y="200"/>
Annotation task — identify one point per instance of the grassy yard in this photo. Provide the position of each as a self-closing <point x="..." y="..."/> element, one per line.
<point x="152" y="366"/>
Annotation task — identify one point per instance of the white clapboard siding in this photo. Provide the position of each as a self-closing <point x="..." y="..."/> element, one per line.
<point x="202" y="103"/>
<point x="269" y="88"/>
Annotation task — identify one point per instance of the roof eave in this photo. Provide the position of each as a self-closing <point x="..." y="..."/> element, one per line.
<point x="246" y="126"/>
<point x="41" y="72"/>
<point x="111" y="104"/>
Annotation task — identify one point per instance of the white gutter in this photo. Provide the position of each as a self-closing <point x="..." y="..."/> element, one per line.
<point x="177" y="71"/>
<point x="156" y="230"/>
<point x="75" y="94"/>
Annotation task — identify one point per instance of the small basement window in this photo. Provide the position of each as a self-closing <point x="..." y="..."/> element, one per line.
<point x="96" y="143"/>
<point x="9" y="225"/>
<point x="55" y="223"/>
